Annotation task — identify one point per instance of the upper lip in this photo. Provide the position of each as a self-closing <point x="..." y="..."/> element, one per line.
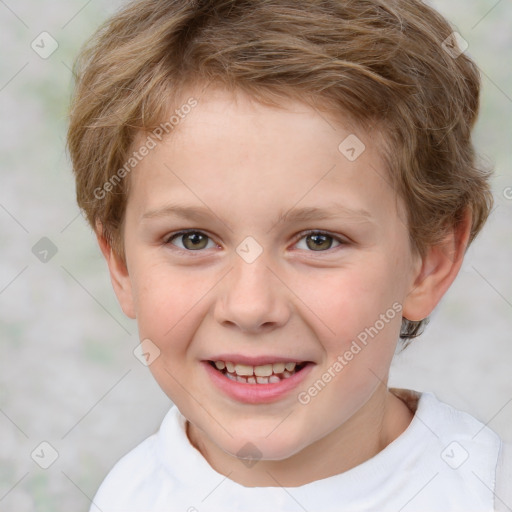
<point x="255" y="360"/>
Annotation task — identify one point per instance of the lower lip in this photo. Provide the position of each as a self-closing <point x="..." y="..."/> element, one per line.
<point x="256" y="393"/>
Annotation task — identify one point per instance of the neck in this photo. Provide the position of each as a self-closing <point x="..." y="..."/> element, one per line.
<point x="379" y="422"/>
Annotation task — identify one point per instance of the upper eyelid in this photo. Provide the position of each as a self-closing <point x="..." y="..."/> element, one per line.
<point x="307" y="232"/>
<point x="183" y="232"/>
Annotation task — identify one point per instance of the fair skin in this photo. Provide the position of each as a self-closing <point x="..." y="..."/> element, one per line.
<point x="248" y="163"/>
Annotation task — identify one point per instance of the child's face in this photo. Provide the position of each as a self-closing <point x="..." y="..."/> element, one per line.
<point x="241" y="166"/>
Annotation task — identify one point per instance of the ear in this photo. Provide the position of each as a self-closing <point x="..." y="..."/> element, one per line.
<point x="118" y="274"/>
<point x="437" y="271"/>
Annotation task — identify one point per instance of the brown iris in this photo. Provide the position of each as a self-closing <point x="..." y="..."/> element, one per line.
<point x="194" y="240"/>
<point x="319" y="242"/>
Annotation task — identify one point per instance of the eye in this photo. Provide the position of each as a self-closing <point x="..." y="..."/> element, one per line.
<point x="191" y="240"/>
<point x="319" y="241"/>
<point x="194" y="240"/>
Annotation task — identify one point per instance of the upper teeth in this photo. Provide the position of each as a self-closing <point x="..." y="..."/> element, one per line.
<point x="264" y="370"/>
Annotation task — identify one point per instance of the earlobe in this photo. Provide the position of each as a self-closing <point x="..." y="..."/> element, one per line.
<point x="119" y="276"/>
<point x="437" y="271"/>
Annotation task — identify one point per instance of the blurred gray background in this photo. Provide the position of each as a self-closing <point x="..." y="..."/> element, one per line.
<point x="68" y="376"/>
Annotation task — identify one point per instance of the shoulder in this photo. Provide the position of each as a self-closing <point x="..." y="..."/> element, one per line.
<point x="504" y="479"/>
<point x="135" y="480"/>
<point x="132" y="471"/>
<point x="448" y="423"/>
<point x="458" y="452"/>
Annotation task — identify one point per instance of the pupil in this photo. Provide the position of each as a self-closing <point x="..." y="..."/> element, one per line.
<point x="194" y="240"/>
<point x="320" y="242"/>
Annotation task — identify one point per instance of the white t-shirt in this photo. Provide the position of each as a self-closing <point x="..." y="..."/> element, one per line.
<point x="446" y="460"/>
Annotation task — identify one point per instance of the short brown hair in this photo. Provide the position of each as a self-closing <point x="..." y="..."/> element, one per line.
<point x="382" y="63"/>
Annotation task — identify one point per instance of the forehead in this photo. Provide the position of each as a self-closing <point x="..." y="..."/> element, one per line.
<point x="231" y="146"/>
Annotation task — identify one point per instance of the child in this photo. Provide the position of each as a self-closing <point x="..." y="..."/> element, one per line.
<point x="282" y="189"/>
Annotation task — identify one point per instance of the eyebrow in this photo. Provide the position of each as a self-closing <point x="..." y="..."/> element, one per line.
<point x="198" y="213"/>
<point x="331" y="211"/>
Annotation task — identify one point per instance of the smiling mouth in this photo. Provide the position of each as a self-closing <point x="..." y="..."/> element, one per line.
<point x="264" y="374"/>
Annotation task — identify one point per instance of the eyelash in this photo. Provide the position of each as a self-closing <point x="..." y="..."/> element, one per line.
<point x="304" y="234"/>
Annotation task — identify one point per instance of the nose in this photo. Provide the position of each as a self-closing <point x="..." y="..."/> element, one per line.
<point x="252" y="298"/>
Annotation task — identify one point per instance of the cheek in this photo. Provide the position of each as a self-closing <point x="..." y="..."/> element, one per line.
<point x="169" y="310"/>
<point x="349" y="299"/>
<point x="164" y="297"/>
<point x="358" y="318"/>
